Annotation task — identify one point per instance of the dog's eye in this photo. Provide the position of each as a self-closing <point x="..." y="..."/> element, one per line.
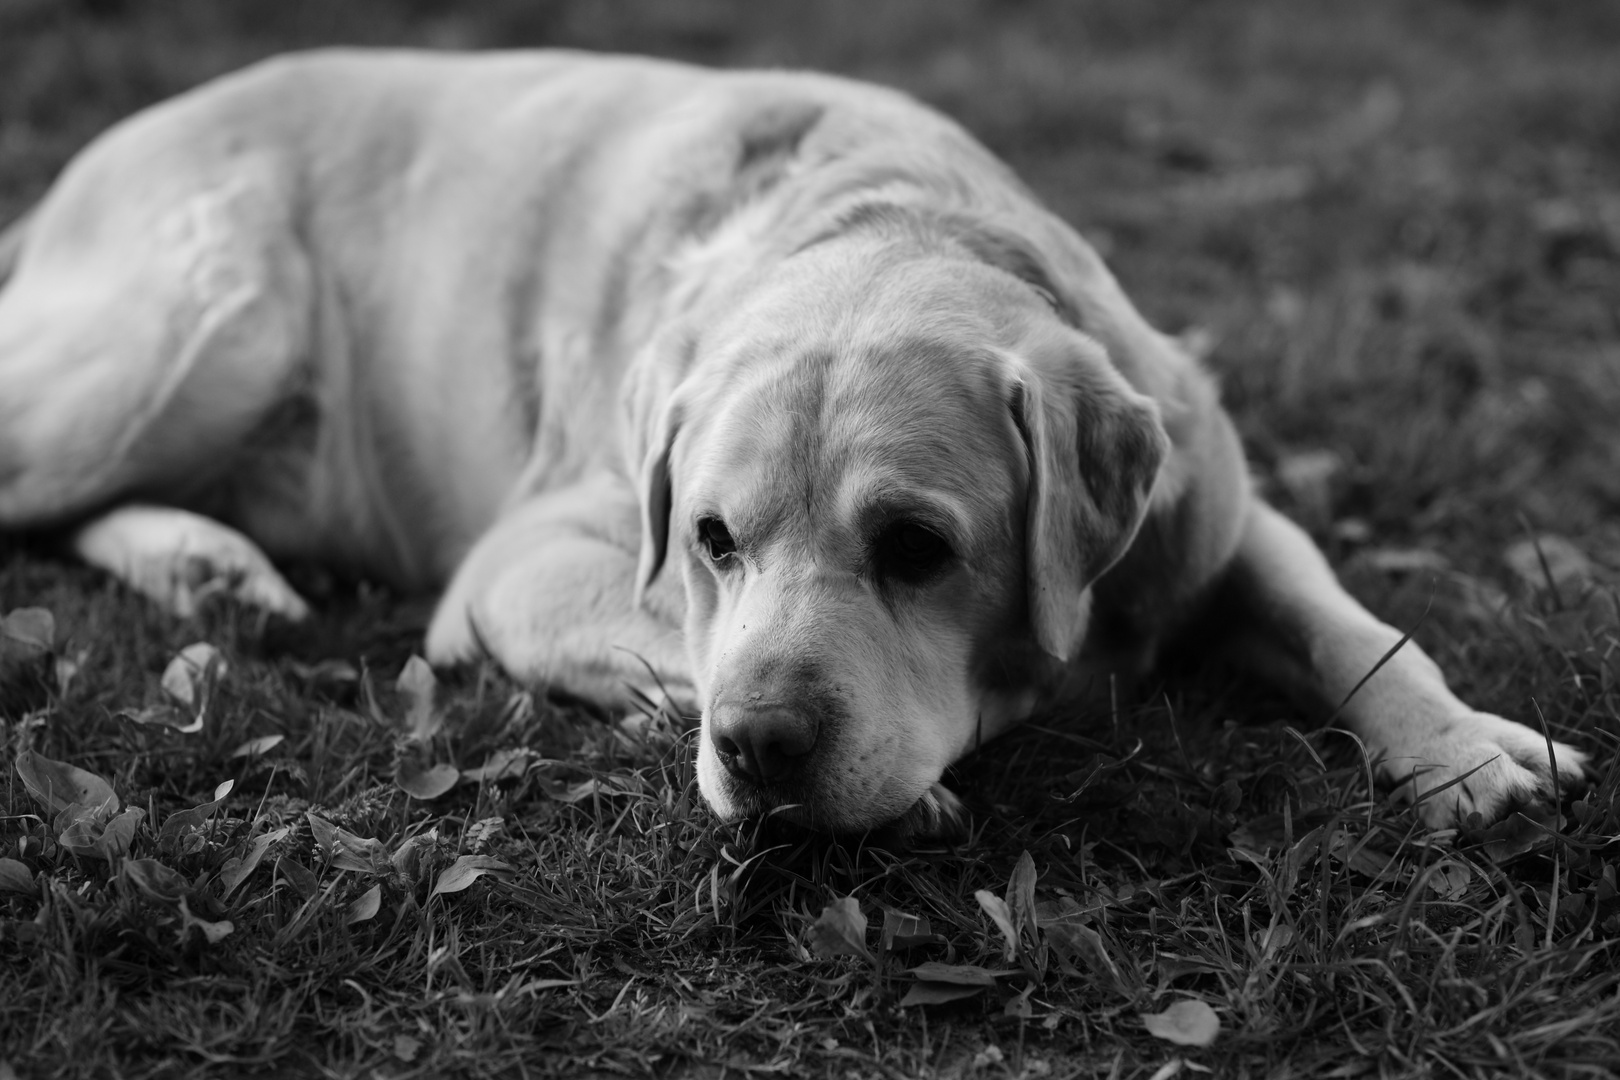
<point x="716" y="538"/>
<point x="910" y="552"/>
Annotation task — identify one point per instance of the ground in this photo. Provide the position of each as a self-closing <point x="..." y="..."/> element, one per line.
<point x="1395" y="230"/>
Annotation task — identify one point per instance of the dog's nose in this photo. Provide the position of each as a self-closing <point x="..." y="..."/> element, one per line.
<point x="762" y="742"/>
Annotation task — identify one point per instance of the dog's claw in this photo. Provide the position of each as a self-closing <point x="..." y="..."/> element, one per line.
<point x="1491" y="765"/>
<point x="181" y="559"/>
<point x="938" y="815"/>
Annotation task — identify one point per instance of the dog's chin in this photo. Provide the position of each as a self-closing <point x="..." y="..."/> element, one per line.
<point x="938" y="816"/>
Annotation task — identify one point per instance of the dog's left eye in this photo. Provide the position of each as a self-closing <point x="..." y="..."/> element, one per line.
<point x="910" y="552"/>
<point x="716" y="538"/>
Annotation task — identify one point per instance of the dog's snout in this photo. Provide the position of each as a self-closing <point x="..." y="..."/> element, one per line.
<point x="762" y="743"/>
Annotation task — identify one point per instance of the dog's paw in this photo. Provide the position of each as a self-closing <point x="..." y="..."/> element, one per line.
<point x="1497" y="765"/>
<point x="450" y="638"/>
<point x="182" y="560"/>
<point x="938" y="816"/>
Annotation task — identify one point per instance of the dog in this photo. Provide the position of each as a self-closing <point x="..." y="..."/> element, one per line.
<point x="774" y="392"/>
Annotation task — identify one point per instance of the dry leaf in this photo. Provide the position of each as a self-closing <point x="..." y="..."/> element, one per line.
<point x="118" y="834"/>
<point x="501" y="765"/>
<point x="1188" y="1022"/>
<point x="26" y="636"/>
<point x="1451" y="879"/>
<point x="937" y="993"/>
<point x="841" y="931"/>
<point x="59" y="785"/>
<point x="902" y="930"/>
<point x="959" y="974"/>
<point x="407" y="858"/>
<point x="995" y="907"/>
<point x="16" y="877"/>
<point x="1075" y="942"/>
<point x="192" y="675"/>
<point x="155" y="881"/>
<point x="466" y="870"/>
<point x="346" y="850"/>
<point x="366" y="907"/>
<point x="1021" y="896"/>
<point x="214" y="932"/>
<point x="236" y="870"/>
<point x="1549" y="561"/>
<point x="181" y="830"/>
<point x="417" y="683"/>
<point x="255" y="747"/>
<point x="420" y="783"/>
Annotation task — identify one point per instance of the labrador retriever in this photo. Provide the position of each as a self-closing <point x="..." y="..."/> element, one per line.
<point x="774" y="391"/>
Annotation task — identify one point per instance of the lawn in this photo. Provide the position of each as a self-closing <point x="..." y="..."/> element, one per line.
<point x="1394" y="228"/>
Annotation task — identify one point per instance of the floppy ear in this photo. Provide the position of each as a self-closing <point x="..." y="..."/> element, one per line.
<point x="1095" y="446"/>
<point x="652" y="417"/>
<point x="656" y="492"/>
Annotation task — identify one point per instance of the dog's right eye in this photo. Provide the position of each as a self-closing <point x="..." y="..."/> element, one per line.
<point x="716" y="538"/>
<point x="909" y="552"/>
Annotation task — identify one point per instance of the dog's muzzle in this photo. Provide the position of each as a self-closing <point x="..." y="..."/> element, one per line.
<point x="762" y="744"/>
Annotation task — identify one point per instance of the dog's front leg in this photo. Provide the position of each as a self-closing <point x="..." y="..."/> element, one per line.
<point x="548" y="592"/>
<point x="1297" y="625"/>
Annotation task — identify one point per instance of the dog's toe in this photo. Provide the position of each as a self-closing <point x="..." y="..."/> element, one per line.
<point x="181" y="560"/>
<point x="1490" y="766"/>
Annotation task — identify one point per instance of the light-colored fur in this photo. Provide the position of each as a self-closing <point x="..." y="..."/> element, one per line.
<point x="524" y="327"/>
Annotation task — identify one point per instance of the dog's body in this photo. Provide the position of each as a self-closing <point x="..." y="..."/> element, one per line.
<point x="530" y="326"/>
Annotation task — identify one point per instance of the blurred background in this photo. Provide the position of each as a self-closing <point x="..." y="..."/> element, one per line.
<point x="1392" y="226"/>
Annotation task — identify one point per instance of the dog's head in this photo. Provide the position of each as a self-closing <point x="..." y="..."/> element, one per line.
<point x="887" y="481"/>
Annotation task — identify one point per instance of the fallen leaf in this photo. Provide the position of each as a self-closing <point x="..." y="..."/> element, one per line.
<point x="466" y="870"/>
<point x="902" y="930"/>
<point x="255" y="747"/>
<point x="417" y="683"/>
<point x="182" y="826"/>
<point x="193" y="674"/>
<point x="59" y="785"/>
<point x="236" y="870"/>
<point x="841" y="931"/>
<point x="26" y="636"/>
<point x="346" y="850"/>
<point x="366" y="907"/>
<point x="1392" y="560"/>
<point x="501" y="765"/>
<point x="15" y="876"/>
<point x="1074" y="942"/>
<point x="1188" y="1022"/>
<point x="1450" y="879"/>
<point x="326" y="672"/>
<point x="995" y="907"/>
<point x="481" y="832"/>
<point x="155" y="881"/>
<point x="169" y="716"/>
<point x="300" y="877"/>
<point x="959" y="974"/>
<point x="118" y="835"/>
<point x="420" y="783"/>
<point x="214" y="932"/>
<point x="1548" y="561"/>
<point x="407" y="858"/>
<point x="1021" y="896"/>
<point x="573" y="793"/>
<point x="937" y="993"/>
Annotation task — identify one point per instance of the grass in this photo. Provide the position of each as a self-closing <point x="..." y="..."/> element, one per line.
<point x="1395" y="225"/>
